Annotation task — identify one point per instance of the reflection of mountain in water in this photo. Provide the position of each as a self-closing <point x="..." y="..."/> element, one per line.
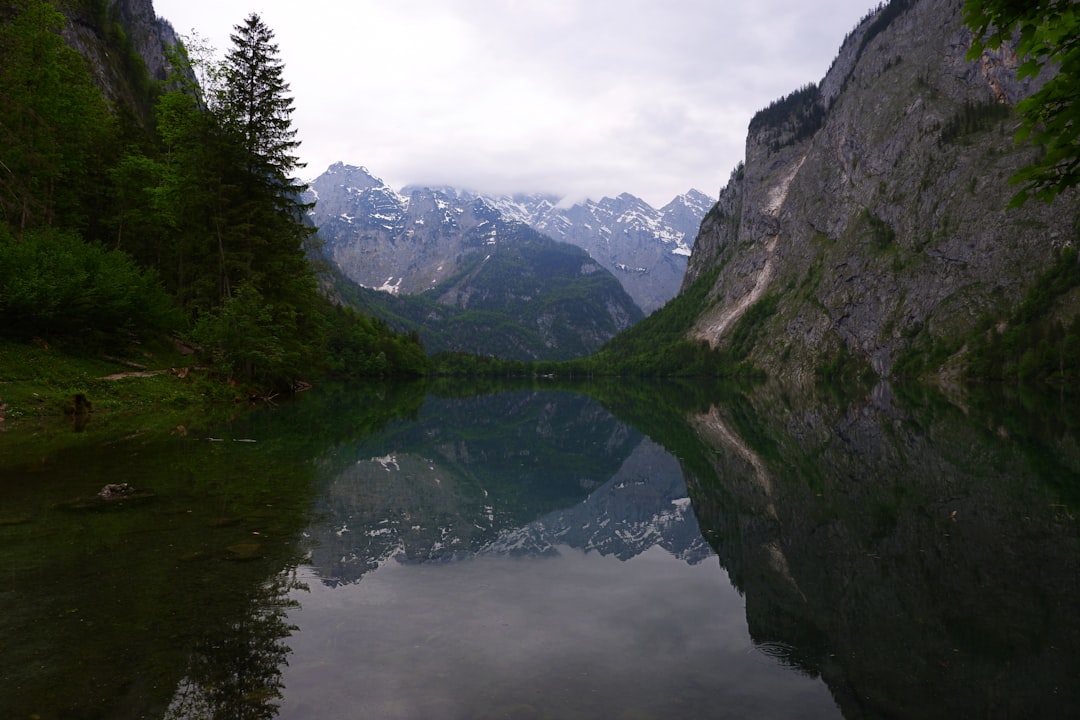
<point x="643" y="506"/>
<point x="924" y="563"/>
<point x="510" y="473"/>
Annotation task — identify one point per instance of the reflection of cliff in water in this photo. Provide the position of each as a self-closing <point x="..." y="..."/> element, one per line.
<point x="925" y="564"/>
<point x="509" y="473"/>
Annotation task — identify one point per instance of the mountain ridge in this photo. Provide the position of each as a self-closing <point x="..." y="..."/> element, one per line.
<point x="510" y="292"/>
<point x="368" y="225"/>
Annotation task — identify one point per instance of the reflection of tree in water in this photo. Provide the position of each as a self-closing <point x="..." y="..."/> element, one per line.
<point x="236" y="673"/>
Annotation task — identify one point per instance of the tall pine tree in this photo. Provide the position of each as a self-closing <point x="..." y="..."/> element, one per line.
<point x="256" y="111"/>
<point x="257" y="216"/>
<point x="254" y="103"/>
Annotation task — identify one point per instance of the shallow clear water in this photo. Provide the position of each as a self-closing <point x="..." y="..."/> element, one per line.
<point x="375" y="552"/>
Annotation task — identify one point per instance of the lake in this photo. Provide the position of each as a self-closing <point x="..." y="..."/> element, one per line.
<point x="601" y="550"/>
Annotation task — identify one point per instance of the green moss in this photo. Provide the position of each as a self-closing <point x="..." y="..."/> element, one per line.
<point x="844" y="372"/>
<point x="1035" y="343"/>
<point x="876" y="230"/>
<point x="37" y="380"/>
<point x="972" y="118"/>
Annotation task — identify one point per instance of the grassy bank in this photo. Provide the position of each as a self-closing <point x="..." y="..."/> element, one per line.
<point x="39" y="381"/>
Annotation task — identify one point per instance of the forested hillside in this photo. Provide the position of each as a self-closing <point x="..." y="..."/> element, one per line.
<point x="524" y="297"/>
<point x="163" y="207"/>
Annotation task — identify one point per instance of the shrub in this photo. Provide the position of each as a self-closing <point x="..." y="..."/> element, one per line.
<point x="54" y="285"/>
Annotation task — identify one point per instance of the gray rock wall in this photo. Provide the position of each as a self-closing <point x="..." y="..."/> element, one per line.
<point x="889" y="220"/>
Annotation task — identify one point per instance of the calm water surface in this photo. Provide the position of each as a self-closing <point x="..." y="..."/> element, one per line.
<point x="381" y="552"/>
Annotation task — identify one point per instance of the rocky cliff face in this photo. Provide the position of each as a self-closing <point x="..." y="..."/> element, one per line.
<point x="115" y="38"/>
<point x="410" y="241"/>
<point x="870" y="211"/>
<point x="405" y="242"/>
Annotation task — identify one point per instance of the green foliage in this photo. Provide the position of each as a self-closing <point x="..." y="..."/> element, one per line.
<point x="270" y="345"/>
<point x="201" y="198"/>
<point x="659" y="346"/>
<point x="360" y="346"/>
<point x="800" y="113"/>
<point x="666" y="326"/>
<point x="54" y="285"/>
<point x="972" y="118"/>
<point x="467" y="365"/>
<point x="1049" y="34"/>
<point x="1035" y="344"/>
<point x="926" y="353"/>
<point x="54" y="123"/>
<point x="247" y="342"/>
<point x="744" y="332"/>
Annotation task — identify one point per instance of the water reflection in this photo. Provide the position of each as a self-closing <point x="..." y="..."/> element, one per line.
<point x="922" y="558"/>
<point x="511" y="473"/>
<point x="635" y="551"/>
<point x="108" y="606"/>
<point x="236" y="671"/>
<point x="523" y="554"/>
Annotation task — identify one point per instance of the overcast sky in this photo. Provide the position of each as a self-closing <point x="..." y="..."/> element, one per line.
<point x="582" y="98"/>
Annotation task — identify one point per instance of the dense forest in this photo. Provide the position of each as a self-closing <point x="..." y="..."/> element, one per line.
<point x="178" y="216"/>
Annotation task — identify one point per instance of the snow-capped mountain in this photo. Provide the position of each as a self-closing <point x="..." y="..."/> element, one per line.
<point x="498" y="286"/>
<point x="644" y="247"/>
<point x="409" y="241"/>
<point x="391" y="241"/>
<point x="645" y="505"/>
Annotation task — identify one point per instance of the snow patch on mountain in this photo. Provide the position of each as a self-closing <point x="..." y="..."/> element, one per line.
<point x="362" y="220"/>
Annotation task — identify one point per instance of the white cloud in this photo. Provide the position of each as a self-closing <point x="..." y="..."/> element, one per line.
<point x="584" y="97"/>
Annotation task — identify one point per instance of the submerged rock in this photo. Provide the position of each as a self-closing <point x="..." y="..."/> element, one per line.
<point x="113" y="491"/>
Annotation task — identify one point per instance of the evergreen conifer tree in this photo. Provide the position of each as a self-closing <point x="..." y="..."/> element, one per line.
<point x="268" y="232"/>
<point x="255" y="104"/>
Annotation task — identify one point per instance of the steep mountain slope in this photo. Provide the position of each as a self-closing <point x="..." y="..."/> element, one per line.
<point x="459" y="274"/>
<point x="645" y="248"/>
<point x="125" y="45"/>
<point x="868" y="223"/>
<point x="410" y="241"/>
<point x="514" y="294"/>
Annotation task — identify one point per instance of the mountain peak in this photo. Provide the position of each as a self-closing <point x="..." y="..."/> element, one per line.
<point x="644" y="247"/>
<point x="355" y="173"/>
